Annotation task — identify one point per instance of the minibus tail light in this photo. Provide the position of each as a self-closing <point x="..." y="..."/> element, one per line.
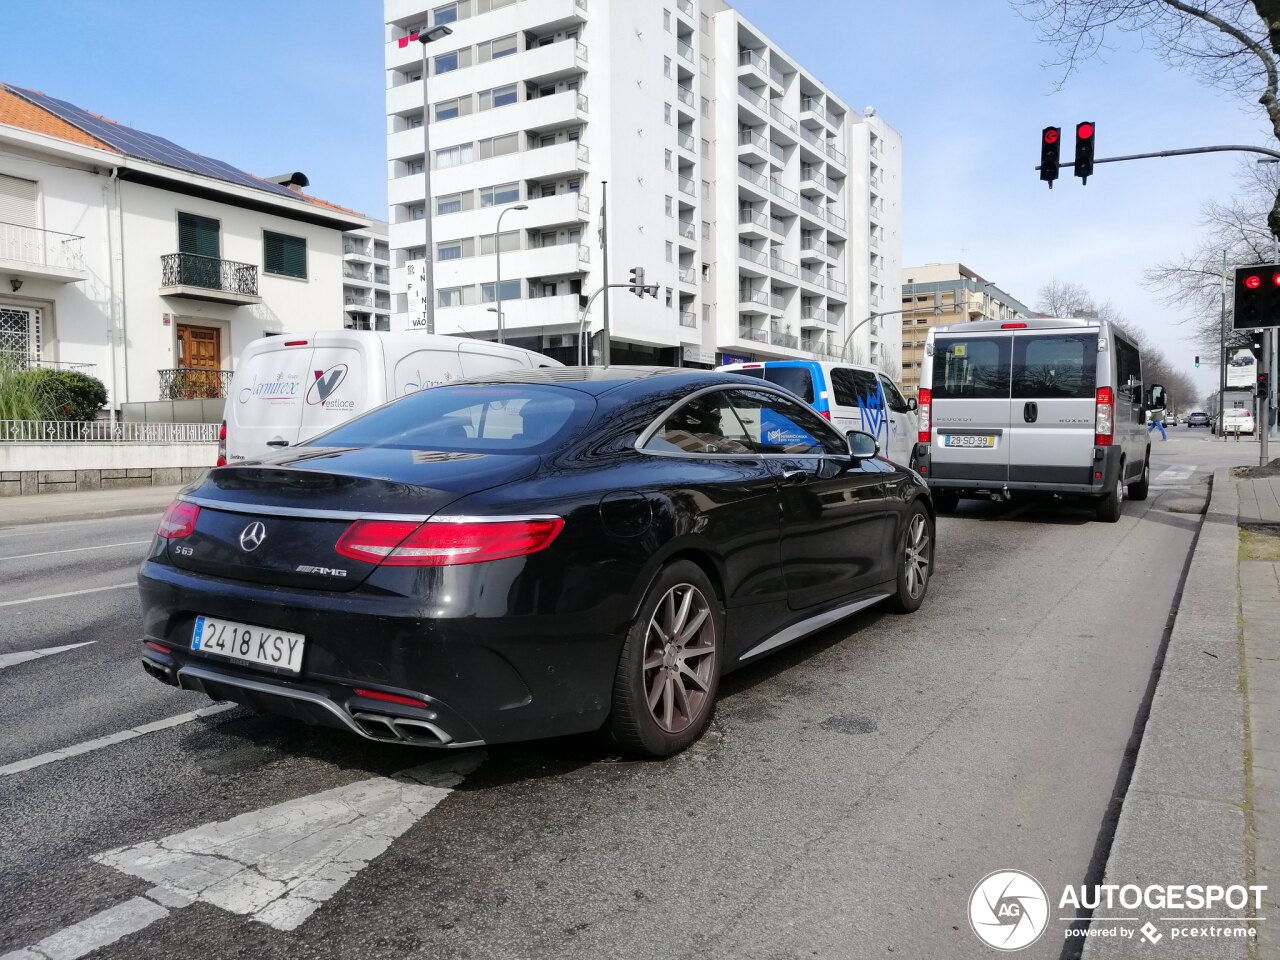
<point x="924" y="412"/>
<point x="1104" y="417"/>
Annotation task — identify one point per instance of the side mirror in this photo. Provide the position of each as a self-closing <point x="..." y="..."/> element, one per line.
<point x="1156" y="396"/>
<point x="912" y="405"/>
<point x="862" y="445"/>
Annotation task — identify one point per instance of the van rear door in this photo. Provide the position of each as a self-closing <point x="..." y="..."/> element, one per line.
<point x="267" y="397"/>
<point x="339" y="384"/>
<point x="432" y="365"/>
<point x="1054" y="381"/>
<point x="971" y="407"/>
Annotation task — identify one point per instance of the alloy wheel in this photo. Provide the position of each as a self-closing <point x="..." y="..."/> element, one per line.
<point x="915" y="558"/>
<point x="679" y="658"/>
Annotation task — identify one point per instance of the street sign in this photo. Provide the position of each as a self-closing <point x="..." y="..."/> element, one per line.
<point x="416" y="290"/>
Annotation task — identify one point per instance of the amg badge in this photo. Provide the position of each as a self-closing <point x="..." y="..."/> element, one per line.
<point x="323" y="571"/>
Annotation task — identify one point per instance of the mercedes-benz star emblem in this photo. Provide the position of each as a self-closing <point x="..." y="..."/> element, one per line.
<point x="251" y="537"/>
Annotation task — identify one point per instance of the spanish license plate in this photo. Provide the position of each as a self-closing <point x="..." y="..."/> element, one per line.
<point x="260" y="646"/>
<point x="985" y="440"/>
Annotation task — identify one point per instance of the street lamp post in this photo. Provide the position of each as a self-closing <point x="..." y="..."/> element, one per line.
<point x="497" y="252"/>
<point x="428" y="273"/>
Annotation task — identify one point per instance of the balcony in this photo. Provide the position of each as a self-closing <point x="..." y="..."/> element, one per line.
<point x="688" y="275"/>
<point x="812" y="175"/>
<point x="815" y="245"/>
<point x="837" y="221"/>
<point x="357" y="304"/>
<point x="186" y="383"/>
<point x="785" y="267"/>
<point x="752" y="223"/>
<point x="355" y="249"/>
<point x="818" y="347"/>
<point x="811" y="106"/>
<point x="835" y="286"/>
<point x="686" y="229"/>
<point x="783" y="193"/>
<point x="686" y="186"/>
<point x="208" y="278"/>
<point x="777" y="301"/>
<point x="685" y="96"/>
<point x="686" y="142"/>
<point x="753" y="98"/>
<point x="788" y="340"/>
<point x="813" y="277"/>
<point x="778" y="226"/>
<point x="874" y="241"/>
<point x="354" y="272"/>
<point x="836" y="155"/>
<point x="748" y="299"/>
<point x="752" y="255"/>
<point x="875" y="149"/>
<point x="747" y="332"/>
<point x="783" y="118"/>
<point x="46" y="254"/>
<point x="684" y="50"/>
<point x="811" y="208"/>
<point x="813" y="313"/>
<point x="688" y="318"/>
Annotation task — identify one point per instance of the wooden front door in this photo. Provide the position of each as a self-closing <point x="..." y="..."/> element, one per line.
<point x="200" y="360"/>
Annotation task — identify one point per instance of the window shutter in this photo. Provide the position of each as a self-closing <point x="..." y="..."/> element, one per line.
<point x="18" y="201"/>
<point x="198" y="235"/>
<point x="284" y="255"/>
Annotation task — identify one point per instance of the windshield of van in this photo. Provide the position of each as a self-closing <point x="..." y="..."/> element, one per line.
<point x="479" y="418"/>
<point x="1055" y="366"/>
<point x="797" y="380"/>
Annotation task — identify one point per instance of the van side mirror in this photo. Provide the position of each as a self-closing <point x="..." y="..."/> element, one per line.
<point x="1156" y="396"/>
<point x="912" y="405"/>
<point x="862" y="445"/>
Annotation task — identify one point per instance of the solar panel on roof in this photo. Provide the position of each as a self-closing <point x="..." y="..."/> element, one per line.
<point x="148" y="146"/>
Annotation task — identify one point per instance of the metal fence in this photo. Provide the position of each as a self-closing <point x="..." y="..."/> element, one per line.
<point x="187" y="383"/>
<point x="45" y="248"/>
<point x="211" y="273"/>
<point x="12" y="361"/>
<point x="103" y="431"/>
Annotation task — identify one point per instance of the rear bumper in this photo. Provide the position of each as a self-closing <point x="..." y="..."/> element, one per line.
<point x="1103" y="472"/>
<point x="478" y="679"/>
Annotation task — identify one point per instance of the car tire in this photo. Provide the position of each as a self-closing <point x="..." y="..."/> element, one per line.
<point x="1109" y="509"/>
<point x="664" y="691"/>
<point x="914" y="560"/>
<point x="1140" y="489"/>
<point x="944" y="501"/>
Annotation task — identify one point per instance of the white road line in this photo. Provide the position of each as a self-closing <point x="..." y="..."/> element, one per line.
<point x="277" y="866"/>
<point x="13" y="659"/>
<point x="89" y="746"/>
<point x="73" y="593"/>
<point x="54" y="553"/>
<point x="1178" y="473"/>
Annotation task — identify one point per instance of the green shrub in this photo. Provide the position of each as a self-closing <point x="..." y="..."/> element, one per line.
<point x="50" y="395"/>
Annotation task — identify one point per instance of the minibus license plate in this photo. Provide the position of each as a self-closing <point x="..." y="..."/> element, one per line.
<point x="969" y="440"/>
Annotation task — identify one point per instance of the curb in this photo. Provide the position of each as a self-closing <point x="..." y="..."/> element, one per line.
<point x="1184" y="815"/>
<point x="44" y="510"/>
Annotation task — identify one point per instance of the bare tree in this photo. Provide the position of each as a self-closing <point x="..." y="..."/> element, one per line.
<point x="1230" y="44"/>
<point x="1065" y="298"/>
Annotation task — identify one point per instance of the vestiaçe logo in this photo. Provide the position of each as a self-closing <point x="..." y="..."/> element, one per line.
<point x="1008" y="910"/>
<point x="325" y="383"/>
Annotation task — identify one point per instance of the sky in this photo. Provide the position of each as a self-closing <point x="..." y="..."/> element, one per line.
<point x="274" y="86"/>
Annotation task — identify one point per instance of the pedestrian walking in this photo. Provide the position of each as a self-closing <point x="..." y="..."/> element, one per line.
<point x="1157" y="421"/>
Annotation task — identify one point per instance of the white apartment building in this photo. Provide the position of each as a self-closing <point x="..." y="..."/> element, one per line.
<point x="366" y="278"/>
<point x="127" y="257"/>
<point x="765" y="207"/>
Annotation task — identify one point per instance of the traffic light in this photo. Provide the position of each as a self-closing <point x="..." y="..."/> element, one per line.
<point x="1197" y="362"/>
<point x="1050" y="154"/>
<point x="1084" y="150"/>
<point x="1255" y="346"/>
<point x="1264" y="381"/>
<point x="637" y="281"/>
<point x="1257" y="300"/>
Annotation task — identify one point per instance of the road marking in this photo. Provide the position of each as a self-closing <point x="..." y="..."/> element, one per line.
<point x="1176" y="474"/>
<point x="276" y="866"/>
<point x="89" y="746"/>
<point x="73" y="593"/>
<point x="54" y="553"/>
<point x="13" y="659"/>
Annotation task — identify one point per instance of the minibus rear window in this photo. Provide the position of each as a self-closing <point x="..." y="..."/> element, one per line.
<point x="971" y="368"/>
<point x="1055" y="366"/>
<point x="798" y="380"/>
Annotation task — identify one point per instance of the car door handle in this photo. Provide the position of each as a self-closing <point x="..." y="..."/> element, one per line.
<point x="795" y="475"/>
<point x="1030" y="412"/>
<point x="277" y="443"/>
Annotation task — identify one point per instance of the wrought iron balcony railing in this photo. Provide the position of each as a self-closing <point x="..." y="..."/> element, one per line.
<point x="211" y="273"/>
<point x="186" y="383"/>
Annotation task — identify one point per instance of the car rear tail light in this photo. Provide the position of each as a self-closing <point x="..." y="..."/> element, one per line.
<point x="1013" y="326"/>
<point x="388" y="697"/>
<point x="295" y="343"/>
<point x="924" y="412"/>
<point x="222" y="445"/>
<point x="445" y="543"/>
<point x="179" y="520"/>
<point x="1104" y="417"/>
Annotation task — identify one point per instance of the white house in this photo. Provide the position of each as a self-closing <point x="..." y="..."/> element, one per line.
<point x="124" y="255"/>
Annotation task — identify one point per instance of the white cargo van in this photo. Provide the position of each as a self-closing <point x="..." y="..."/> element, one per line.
<point x="289" y="388"/>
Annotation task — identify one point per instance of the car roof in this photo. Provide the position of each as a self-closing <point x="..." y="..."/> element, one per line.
<point x="598" y="381"/>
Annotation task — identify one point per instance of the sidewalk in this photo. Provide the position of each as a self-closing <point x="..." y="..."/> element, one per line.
<point x="1203" y="805"/>
<point x="92" y="504"/>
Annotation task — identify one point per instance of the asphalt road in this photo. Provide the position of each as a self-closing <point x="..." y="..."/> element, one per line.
<point x="852" y="790"/>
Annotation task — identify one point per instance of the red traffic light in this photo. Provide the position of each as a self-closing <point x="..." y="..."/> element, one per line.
<point x="1253" y="281"/>
<point x="1275" y="279"/>
<point x="1084" y="130"/>
<point x="1051" y="134"/>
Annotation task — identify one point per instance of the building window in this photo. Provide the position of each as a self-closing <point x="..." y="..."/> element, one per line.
<point x="450" y="250"/>
<point x="666" y="20"/>
<point x="412" y="167"/>
<point x="417" y="211"/>
<point x="666" y="112"/>
<point x="668" y="158"/>
<point x="509" y="241"/>
<point x="499" y="97"/>
<point x="706" y="107"/>
<point x="670" y="251"/>
<point x="669" y="206"/>
<point x="575" y="185"/>
<point x="446" y="14"/>
<point x="669" y="299"/>
<point x="666" y="66"/>
<point x="415" y="122"/>
<point x="446" y="62"/>
<point x="198" y="235"/>
<point x="415" y="253"/>
<point x="452" y="156"/>
<point x="283" y="255"/>
<point x="451" y="297"/>
<point x="447" y="204"/>
<point x="500" y="194"/>
<point x="499" y="146"/>
<point x="448" y="109"/>
<point x="706" y="230"/>
<point x="510" y="291"/>
<point x="499" y="48"/>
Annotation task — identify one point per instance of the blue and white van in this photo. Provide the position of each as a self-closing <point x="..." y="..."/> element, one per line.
<point x="852" y="396"/>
